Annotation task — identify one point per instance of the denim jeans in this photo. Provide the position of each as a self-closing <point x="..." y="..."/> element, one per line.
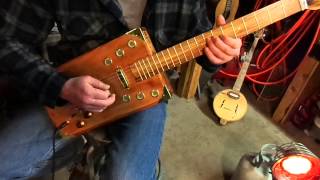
<point x="26" y="144"/>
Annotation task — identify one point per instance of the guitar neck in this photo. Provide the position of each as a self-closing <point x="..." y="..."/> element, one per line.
<point x="246" y="63"/>
<point x="242" y="74"/>
<point x="192" y="48"/>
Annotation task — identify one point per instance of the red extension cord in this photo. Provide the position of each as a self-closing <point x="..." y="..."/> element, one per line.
<point x="277" y="52"/>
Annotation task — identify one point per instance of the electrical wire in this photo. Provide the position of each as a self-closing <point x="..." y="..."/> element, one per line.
<point x="53" y="165"/>
<point x="275" y="53"/>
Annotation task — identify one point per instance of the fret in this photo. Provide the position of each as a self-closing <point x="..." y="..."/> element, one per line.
<point x="190" y="48"/>
<point x="255" y="17"/>
<point x="142" y="70"/>
<point x="135" y="64"/>
<point x="146" y="68"/>
<point x="165" y="59"/>
<point x="204" y="38"/>
<point x="237" y="29"/>
<point x="234" y="32"/>
<point x="174" y="48"/>
<point x="155" y="64"/>
<point x="197" y="45"/>
<point x="283" y="8"/>
<point x="150" y="66"/>
<point x="211" y="33"/>
<point x="245" y="26"/>
<point x="221" y="29"/>
<point x="183" y="52"/>
<point x="159" y="61"/>
<point x="269" y="15"/>
<point x="174" y="65"/>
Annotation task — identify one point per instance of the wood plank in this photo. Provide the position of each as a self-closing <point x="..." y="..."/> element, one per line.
<point x="193" y="80"/>
<point x="189" y="80"/>
<point x="304" y="84"/>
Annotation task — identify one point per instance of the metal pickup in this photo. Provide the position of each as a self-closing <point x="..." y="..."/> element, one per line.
<point x="122" y="77"/>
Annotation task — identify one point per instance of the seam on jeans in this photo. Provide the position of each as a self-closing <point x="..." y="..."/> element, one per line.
<point x="45" y="159"/>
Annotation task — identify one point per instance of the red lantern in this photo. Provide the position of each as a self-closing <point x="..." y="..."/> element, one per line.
<point x="296" y="162"/>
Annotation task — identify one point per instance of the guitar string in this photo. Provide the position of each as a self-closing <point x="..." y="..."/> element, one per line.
<point x="166" y="58"/>
<point x="196" y="44"/>
<point x="128" y="68"/>
<point x="114" y="75"/>
<point x="125" y="69"/>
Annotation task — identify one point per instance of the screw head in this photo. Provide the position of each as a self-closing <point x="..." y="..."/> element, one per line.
<point x="140" y="96"/>
<point x="154" y="93"/>
<point x="132" y="43"/>
<point x="126" y="98"/>
<point x="81" y="124"/>
<point x="88" y="114"/>
<point x="107" y="61"/>
<point x="120" y="52"/>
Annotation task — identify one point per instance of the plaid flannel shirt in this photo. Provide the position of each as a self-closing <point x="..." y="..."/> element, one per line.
<point x="83" y="24"/>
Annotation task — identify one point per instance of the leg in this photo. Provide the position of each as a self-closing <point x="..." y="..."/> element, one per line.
<point x="26" y="143"/>
<point x="136" y="145"/>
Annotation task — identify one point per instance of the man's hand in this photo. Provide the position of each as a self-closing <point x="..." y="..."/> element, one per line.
<point x="87" y="93"/>
<point x="220" y="50"/>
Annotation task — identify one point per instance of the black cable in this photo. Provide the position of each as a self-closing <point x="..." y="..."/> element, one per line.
<point x="159" y="169"/>
<point x="53" y="168"/>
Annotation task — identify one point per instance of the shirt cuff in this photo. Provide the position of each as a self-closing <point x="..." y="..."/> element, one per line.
<point x="207" y="65"/>
<point x="51" y="92"/>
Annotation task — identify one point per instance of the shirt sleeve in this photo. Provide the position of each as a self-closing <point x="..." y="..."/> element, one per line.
<point x="24" y="26"/>
<point x="172" y="21"/>
<point x="203" y="24"/>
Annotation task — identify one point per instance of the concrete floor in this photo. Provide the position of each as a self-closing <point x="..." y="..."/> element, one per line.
<point x="196" y="147"/>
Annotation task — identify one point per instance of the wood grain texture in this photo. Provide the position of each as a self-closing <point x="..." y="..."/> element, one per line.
<point x="189" y="79"/>
<point x="304" y="84"/>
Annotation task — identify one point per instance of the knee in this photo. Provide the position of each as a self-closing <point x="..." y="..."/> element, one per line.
<point x="157" y="112"/>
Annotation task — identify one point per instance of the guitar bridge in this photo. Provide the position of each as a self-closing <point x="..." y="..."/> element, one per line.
<point x="233" y="95"/>
<point x="123" y="78"/>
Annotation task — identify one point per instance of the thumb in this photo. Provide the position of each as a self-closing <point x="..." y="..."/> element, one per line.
<point x="220" y="20"/>
<point x="98" y="84"/>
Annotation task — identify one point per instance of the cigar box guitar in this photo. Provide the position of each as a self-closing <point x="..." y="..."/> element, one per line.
<point x="134" y="70"/>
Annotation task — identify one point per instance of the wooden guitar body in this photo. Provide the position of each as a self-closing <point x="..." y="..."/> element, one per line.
<point x="229" y="106"/>
<point x="104" y="63"/>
